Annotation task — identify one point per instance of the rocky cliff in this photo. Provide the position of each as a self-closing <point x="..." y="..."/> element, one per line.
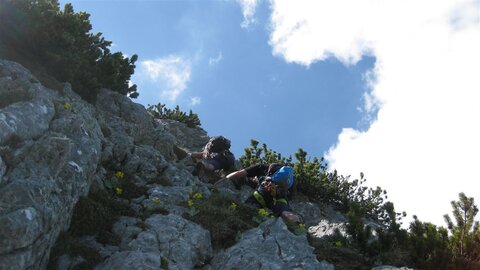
<point x="56" y="150"/>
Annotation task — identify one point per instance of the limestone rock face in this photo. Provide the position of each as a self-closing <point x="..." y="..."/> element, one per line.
<point x="50" y="145"/>
<point x="53" y="145"/>
<point x="142" y="146"/>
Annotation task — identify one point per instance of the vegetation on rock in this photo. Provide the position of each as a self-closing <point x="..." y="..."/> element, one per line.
<point x="57" y="45"/>
<point x="422" y="246"/>
<point x="160" y="111"/>
<point x="224" y="217"/>
<point x="313" y="180"/>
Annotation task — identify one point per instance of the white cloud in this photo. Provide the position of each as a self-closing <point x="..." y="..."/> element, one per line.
<point x="171" y="74"/>
<point x="248" y="9"/>
<point x="216" y="60"/>
<point x="195" y="101"/>
<point x="424" y="145"/>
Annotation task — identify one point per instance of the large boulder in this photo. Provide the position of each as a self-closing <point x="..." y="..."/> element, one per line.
<point x="182" y="242"/>
<point x="26" y="108"/>
<point x="271" y="246"/>
<point x="121" y="114"/>
<point x="175" y="241"/>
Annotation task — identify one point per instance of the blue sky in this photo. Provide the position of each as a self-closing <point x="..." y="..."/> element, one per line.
<point x="351" y="80"/>
<point x="243" y="91"/>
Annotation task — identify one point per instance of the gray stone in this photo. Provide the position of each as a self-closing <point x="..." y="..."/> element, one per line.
<point x="26" y="107"/>
<point x="117" y="147"/>
<point x="3" y="169"/>
<point x="325" y="228"/>
<point x="191" y="139"/>
<point x="127" y="229"/>
<point x="121" y="115"/>
<point x="167" y="196"/>
<point x="172" y="197"/>
<point x="104" y="251"/>
<point x="183" y="243"/>
<point x="21" y="259"/>
<point x="388" y="267"/>
<point x="53" y="154"/>
<point x="37" y="202"/>
<point x="179" y="178"/>
<point x="145" y="242"/>
<point x="66" y="262"/>
<point x="314" y="212"/>
<point x="26" y="119"/>
<point x="127" y="260"/>
<point x="23" y="225"/>
<point x="311" y="212"/>
<point x="145" y="163"/>
<point x="271" y="246"/>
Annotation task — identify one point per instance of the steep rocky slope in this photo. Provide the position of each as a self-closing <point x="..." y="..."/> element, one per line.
<point x="56" y="149"/>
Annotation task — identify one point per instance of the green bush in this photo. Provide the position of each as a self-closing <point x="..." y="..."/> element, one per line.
<point x="57" y="43"/>
<point x="159" y="111"/>
<point x="465" y="233"/>
<point x="313" y="180"/>
<point x="255" y="155"/>
<point x="429" y="246"/>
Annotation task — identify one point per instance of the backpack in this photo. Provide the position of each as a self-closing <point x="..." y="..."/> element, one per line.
<point x="285" y="175"/>
<point x="229" y="159"/>
<point x="279" y="170"/>
<point x="226" y="159"/>
<point x="217" y="144"/>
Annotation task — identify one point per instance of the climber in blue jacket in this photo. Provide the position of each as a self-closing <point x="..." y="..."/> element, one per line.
<point x="274" y="183"/>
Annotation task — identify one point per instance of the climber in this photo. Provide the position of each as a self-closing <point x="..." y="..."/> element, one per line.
<point x="274" y="185"/>
<point x="216" y="155"/>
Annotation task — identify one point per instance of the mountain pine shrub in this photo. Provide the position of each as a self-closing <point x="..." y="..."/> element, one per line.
<point x="57" y="46"/>
<point x="160" y="111"/>
<point x="313" y="180"/>
<point x="465" y="233"/>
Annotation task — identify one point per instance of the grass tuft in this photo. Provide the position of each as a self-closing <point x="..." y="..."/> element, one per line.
<point x="224" y="222"/>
